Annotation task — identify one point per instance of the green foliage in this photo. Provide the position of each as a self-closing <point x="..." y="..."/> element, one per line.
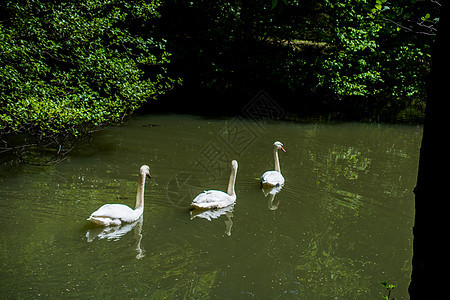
<point x="389" y="287"/>
<point x="371" y="58"/>
<point x="345" y="51"/>
<point x="67" y="68"/>
<point x="349" y="69"/>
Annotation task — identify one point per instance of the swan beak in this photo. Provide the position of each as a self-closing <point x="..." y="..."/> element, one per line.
<point x="283" y="149"/>
<point x="148" y="175"/>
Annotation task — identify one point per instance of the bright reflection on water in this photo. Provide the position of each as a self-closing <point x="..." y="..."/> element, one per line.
<point x="339" y="227"/>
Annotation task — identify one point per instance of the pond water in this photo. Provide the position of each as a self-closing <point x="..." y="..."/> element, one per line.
<point x="340" y="226"/>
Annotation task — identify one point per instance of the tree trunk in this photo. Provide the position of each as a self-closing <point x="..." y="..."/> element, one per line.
<point x="430" y="237"/>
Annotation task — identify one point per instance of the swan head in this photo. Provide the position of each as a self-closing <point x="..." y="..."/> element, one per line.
<point x="145" y="171"/>
<point x="279" y="145"/>
<point x="234" y="164"/>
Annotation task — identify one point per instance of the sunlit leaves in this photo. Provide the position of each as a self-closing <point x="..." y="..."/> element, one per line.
<point x="69" y="67"/>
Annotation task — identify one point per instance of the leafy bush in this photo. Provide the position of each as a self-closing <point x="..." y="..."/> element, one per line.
<point x="67" y="68"/>
<point x="325" y="54"/>
<point x="374" y="58"/>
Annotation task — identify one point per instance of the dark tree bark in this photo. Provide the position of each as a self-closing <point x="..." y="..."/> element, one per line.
<point x="430" y="258"/>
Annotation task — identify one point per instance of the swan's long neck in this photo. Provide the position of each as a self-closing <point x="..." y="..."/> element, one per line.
<point x="277" y="162"/>
<point x="232" y="182"/>
<point x="140" y="192"/>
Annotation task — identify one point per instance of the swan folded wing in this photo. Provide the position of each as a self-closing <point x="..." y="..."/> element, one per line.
<point x="272" y="178"/>
<point x="104" y="221"/>
<point x="118" y="213"/>
<point x="212" y="199"/>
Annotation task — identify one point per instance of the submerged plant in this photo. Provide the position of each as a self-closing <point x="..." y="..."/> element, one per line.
<point x="389" y="287"/>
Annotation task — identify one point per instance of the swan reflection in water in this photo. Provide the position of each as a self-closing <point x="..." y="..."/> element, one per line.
<point x="114" y="233"/>
<point x="214" y="214"/>
<point x="270" y="193"/>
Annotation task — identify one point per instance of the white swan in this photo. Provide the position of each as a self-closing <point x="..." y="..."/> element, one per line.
<point x="214" y="199"/>
<point x="116" y="214"/>
<point x="274" y="178"/>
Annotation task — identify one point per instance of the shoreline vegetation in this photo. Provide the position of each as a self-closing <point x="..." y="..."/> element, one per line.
<point x="70" y="69"/>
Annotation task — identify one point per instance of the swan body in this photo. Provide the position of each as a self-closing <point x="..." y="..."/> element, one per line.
<point x="274" y="178"/>
<point x="116" y="214"/>
<point x="214" y="199"/>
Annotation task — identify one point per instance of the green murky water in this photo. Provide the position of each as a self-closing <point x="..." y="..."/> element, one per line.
<point x="340" y="226"/>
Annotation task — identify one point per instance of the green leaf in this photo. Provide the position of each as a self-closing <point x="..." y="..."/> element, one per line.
<point x="274" y="4"/>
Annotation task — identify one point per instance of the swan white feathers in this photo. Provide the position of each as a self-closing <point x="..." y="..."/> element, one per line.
<point x="116" y="214"/>
<point x="274" y="178"/>
<point x="214" y="199"/>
